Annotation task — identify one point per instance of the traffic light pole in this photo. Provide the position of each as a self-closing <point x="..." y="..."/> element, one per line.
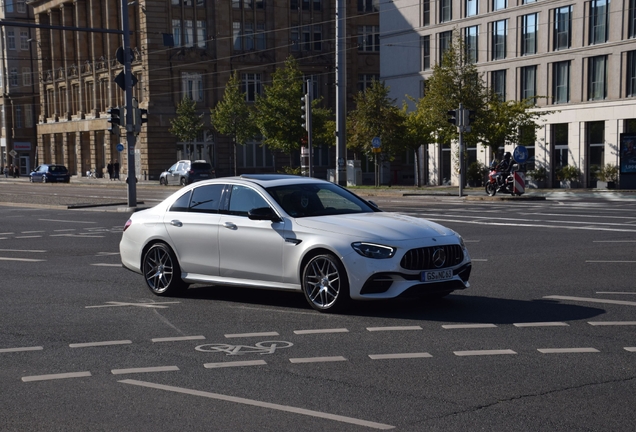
<point x="131" y="180"/>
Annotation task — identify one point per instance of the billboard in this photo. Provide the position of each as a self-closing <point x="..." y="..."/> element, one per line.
<point x="628" y="153"/>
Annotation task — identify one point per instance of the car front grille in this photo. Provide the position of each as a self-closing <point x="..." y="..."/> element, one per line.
<point x="427" y="259"/>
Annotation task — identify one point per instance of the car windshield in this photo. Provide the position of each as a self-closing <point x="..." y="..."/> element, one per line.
<point x="319" y="199"/>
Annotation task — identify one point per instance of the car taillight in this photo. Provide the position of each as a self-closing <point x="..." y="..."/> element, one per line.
<point x="128" y="223"/>
<point x="191" y="171"/>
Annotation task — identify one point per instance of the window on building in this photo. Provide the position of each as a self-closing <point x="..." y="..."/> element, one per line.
<point x="248" y="4"/>
<point x="236" y="35"/>
<point x="294" y="39"/>
<point x="599" y="21"/>
<point x="21" y="6"/>
<point x="631" y="73"/>
<point x="498" y="82"/>
<point x="597" y="78"/>
<point x="251" y="86"/>
<point x="11" y="39"/>
<point x="369" y="38"/>
<point x="445" y="39"/>
<point x="426" y="13"/>
<point x="176" y="32"/>
<point x="529" y="34"/>
<point x="26" y="76"/>
<point x="248" y="36"/>
<point x="317" y="38"/>
<point x="188" y="34"/>
<point x="366" y="80"/>
<point x="560" y="144"/>
<point x="305" y="44"/>
<point x="499" y="32"/>
<point x="561" y="82"/>
<point x="192" y="86"/>
<point x="631" y="25"/>
<point x="24" y="40"/>
<point x="202" y="34"/>
<point x="528" y="82"/>
<point x="562" y="28"/>
<point x="445" y="10"/>
<point x="28" y="116"/>
<point x="426" y="52"/>
<point x="254" y="155"/>
<point x="18" y="117"/>
<point x="200" y="2"/>
<point x="471" y="7"/>
<point x="499" y="4"/>
<point x="261" y="37"/>
<point x="470" y="40"/>
<point x="306" y="4"/>
<point x="13" y="77"/>
<point x="317" y="5"/>
<point x="8" y="6"/>
<point x="236" y="4"/>
<point x="528" y="1"/>
<point x="260" y="4"/>
<point x="368" y="5"/>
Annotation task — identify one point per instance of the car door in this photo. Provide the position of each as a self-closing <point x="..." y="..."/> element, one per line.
<point x="192" y="223"/>
<point x="170" y="178"/>
<point x="250" y="249"/>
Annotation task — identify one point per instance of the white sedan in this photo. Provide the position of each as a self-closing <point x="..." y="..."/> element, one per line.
<point x="291" y="233"/>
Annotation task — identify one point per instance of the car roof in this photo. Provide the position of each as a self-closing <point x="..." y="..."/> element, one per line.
<point x="270" y="180"/>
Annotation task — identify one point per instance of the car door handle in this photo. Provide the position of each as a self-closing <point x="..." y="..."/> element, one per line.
<point x="176" y="223"/>
<point x="229" y="225"/>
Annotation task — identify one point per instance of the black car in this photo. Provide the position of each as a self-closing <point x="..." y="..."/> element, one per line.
<point x="185" y="172"/>
<point x="50" y="173"/>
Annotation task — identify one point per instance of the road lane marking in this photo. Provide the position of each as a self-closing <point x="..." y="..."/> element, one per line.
<point x="529" y="225"/>
<point x="106" y="265"/>
<point x="234" y="364"/>
<point x="614" y="241"/>
<point x="483" y="352"/>
<point x="260" y="404"/>
<point x="96" y="344"/>
<point x="630" y="349"/>
<point x="241" y="335"/>
<point x="480" y="260"/>
<point x="149" y="305"/>
<point x="178" y="338"/>
<point x="28" y="237"/>
<point x="612" y="323"/>
<point x="468" y="326"/>
<point x="567" y="350"/>
<point x="592" y="300"/>
<point x="616" y="292"/>
<point x="23" y="250"/>
<point x="21" y="349"/>
<point x="31" y="232"/>
<point x="55" y="376"/>
<point x="144" y="370"/>
<point x="394" y="328"/>
<point x="317" y="359"/>
<point x="321" y="331"/>
<point x="21" y="259"/>
<point x="67" y="221"/>
<point x="541" y="324"/>
<point x="399" y="356"/>
<point x="610" y="261"/>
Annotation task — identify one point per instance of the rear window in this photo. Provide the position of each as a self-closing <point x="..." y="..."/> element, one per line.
<point x="58" y="169"/>
<point x="200" y="166"/>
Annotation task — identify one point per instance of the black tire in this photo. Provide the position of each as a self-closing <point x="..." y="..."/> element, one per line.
<point x="325" y="284"/>
<point x="182" y="182"/>
<point x="161" y="271"/>
<point x="163" y="182"/>
<point x="44" y="179"/>
<point x="31" y="179"/>
<point x="491" y="189"/>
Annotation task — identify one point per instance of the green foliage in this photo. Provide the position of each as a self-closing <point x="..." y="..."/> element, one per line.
<point x="375" y="115"/>
<point x="188" y="124"/>
<point x="608" y="173"/>
<point x="568" y="173"/>
<point x="539" y="174"/>
<point x="476" y="172"/>
<point x="291" y="170"/>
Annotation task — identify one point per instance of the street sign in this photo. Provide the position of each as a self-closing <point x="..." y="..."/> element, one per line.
<point x="13" y="153"/>
<point x="520" y="154"/>
<point x="376" y="142"/>
<point x="120" y="147"/>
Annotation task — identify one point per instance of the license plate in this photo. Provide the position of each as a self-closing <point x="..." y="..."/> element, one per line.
<point x="436" y="275"/>
<point x="204" y="175"/>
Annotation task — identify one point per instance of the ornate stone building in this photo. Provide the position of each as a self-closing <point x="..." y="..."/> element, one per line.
<point x="184" y="47"/>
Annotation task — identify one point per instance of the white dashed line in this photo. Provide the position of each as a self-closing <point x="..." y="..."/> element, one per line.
<point x="321" y="331"/>
<point x="8" y="350"/>
<point x="468" y="326"/>
<point x="55" y="376"/>
<point x="483" y="352"/>
<point x="394" y="328"/>
<point x="96" y="344"/>
<point x="399" y="356"/>
<point x="144" y="370"/>
<point x="179" y="338"/>
<point x="317" y="359"/>
<point x="567" y="350"/>
<point x="541" y="324"/>
<point x="612" y="323"/>
<point x="592" y="300"/>
<point x="23" y="250"/>
<point x="607" y="261"/>
<point x="241" y="335"/>
<point x="106" y="265"/>
<point x="630" y="349"/>
<point x="27" y="237"/>
<point x="234" y="364"/>
<point x="616" y="292"/>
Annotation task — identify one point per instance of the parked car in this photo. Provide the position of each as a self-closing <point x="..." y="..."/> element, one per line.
<point x="185" y="172"/>
<point x="291" y="233"/>
<point x="50" y="173"/>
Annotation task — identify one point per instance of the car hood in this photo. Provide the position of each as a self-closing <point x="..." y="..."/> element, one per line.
<point x="381" y="225"/>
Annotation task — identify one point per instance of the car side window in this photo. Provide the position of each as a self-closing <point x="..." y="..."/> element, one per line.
<point x="182" y="203"/>
<point x="244" y="199"/>
<point x="206" y="199"/>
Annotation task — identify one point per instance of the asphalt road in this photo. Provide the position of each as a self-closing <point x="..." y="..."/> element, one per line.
<point x="542" y="340"/>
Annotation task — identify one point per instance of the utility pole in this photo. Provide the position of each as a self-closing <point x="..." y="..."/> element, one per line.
<point x="341" y="92"/>
<point x="128" y="90"/>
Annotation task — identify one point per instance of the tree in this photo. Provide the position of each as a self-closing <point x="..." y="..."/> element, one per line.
<point x="188" y="124"/>
<point x="375" y="115"/>
<point x="419" y="130"/>
<point x="233" y="117"/>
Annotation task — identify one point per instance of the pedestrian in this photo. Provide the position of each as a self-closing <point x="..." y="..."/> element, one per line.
<point x="12" y="171"/>
<point x="110" y="170"/>
<point x="16" y="172"/>
<point x="6" y="171"/>
<point x="116" y="169"/>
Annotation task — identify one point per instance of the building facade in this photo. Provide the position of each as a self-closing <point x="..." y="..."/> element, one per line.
<point x="18" y="88"/>
<point x="184" y="48"/>
<point x="577" y="57"/>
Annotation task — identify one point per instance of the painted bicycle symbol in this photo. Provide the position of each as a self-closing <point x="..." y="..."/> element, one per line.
<point x="265" y="347"/>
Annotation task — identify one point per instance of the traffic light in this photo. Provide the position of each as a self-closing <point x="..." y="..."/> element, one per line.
<point x="470" y="118"/>
<point x="306" y="107"/>
<point x="140" y="117"/>
<point x="452" y="117"/>
<point x="114" y="119"/>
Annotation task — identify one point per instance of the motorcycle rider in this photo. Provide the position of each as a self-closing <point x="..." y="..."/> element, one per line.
<point x="503" y="169"/>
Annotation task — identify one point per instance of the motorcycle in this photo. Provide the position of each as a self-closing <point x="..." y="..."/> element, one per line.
<point x="514" y="183"/>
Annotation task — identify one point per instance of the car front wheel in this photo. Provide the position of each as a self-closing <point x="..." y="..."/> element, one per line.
<point x="161" y="271"/>
<point x="182" y="182"/>
<point x="325" y="284"/>
<point x="162" y="181"/>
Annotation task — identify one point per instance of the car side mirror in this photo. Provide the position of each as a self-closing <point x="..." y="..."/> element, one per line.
<point x="263" y="213"/>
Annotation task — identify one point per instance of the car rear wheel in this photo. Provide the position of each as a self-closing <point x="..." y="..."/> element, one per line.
<point x="182" y="182"/>
<point x="161" y="271"/>
<point x="163" y="182"/>
<point x="325" y="284"/>
<point x="44" y="179"/>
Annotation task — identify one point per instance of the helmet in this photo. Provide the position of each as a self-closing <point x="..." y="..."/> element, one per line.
<point x="507" y="155"/>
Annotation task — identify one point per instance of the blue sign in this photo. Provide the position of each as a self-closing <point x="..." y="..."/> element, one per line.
<point x="376" y="142"/>
<point x="520" y="155"/>
<point x="120" y="147"/>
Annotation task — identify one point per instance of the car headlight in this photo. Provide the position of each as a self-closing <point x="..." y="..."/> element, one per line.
<point x="461" y="240"/>
<point x="372" y="250"/>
